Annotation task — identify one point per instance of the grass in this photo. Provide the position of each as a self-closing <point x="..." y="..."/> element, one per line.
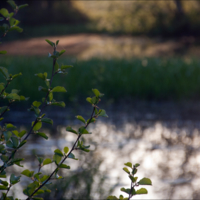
<point x="118" y="79"/>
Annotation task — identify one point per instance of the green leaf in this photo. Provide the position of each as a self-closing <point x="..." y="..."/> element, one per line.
<point x="10" y="127"/>
<point x="3" y="52"/>
<point x="44" y="178"/>
<point x="57" y="158"/>
<point x="2" y="187"/>
<point x="14" y="179"/>
<point x="95" y="100"/>
<point x="9" y="144"/>
<point x="142" y="191"/>
<point x="50" y="96"/>
<point x="16" y="75"/>
<point x="47" y="120"/>
<point x="58" y="152"/>
<point x="145" y="181"/>
<point x="22" y="133"/>
<point x="69" y="129"/>
<point x="13" y="96"/>
<point x="125" y="190"/>
<point x="137" y="165"/>
<point x="57" y="42"/>
<point x="40" y="75"/>
<point x="65" y="67"/>
<point x="102" y="113"/>
<point x="134" y="171"/>
<point x="27" y="173"/>
<point x="37" y="198"/>
<point x="15" y="142"/>
<point x="133" y="179"/>
<point x="82" y="130"/>
<point x="37" y="103"/>
<point x="64" y="166"/>
<point x="37" y="126"/>
<point x="7" y="135"/>
<point x="66" y="150"/>
<point x="112" y="198"/>
<point x="40" y="88"/>
<point x="22" y="143"/>
<point x="42" y="135"/>
<point x="61" y="104"/>
<point x="4" y="71"/>
<point x="59" y="89"/>
<point x="5" y="183"/>
<point x="2" y="109"/>
<point x="129" y="164"/>
<point x="31" y="188"/>
<point x="126" y="170"/>
<point x="4" y="12"/>
<point x="96" y="92"/>
<point x="51" y="43"/>
<point x="16" y="28"/>
<point x="40" y="159"/>
<point x="81" y="118"/>
<point x="22" y="6"/>
<point x="71" y="155"/>
<point x="91" y="120"/>
<point x="39" y="192"/>
<point x="12" y="4"/>
<point x="47" y="161"/>
<point x="61" y="52"/>
<point x="89" y="99"/>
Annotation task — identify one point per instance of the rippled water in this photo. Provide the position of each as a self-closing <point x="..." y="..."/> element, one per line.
<point x="166" y="145"/>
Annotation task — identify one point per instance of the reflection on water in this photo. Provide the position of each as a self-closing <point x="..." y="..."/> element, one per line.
<point x="168" y="151"/>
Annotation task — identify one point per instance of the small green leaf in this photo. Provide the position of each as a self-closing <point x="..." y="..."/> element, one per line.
<point x="39" y="192"/>
<point x="22" y="133"/>
<point x="102" y="113"/>
<point x="16" y="28"/>
<point x="96" y="92"/>
<point x="142" y="191"/>
<point x="112" y="198"/>
<point x="65" y="67"/>
<point x="16" y="75"/>
<point x="13" y="96"/>
<point x="61" y="104"/>
<point x="7" y="135"/>
<point x="47" y="120"/>
<point x="42" y="135"/>
<point x="5" y="183"/>
<point x="71" y="155"/>
<point x="82" y="130"/>
<point x="51" y="43"/>
<point x="137" y="165"/>
<point x="64" y="166"/>
<point x="22" y="143"/>
<point x="47" y="161"/>
<point x="125" y="190"/>
<point x="133" y="179"/>
<point x="89" y="99"/>
<point x="129" y="164"/>
<point x="37" y="198"/>
<point x="126" y="170"/>
<point x="57" y="158"/>
<point x="61" y="52"/>
<point x="145" y="181"/>
<point x="3" y="52"/>
<point x="66" y="150"/>
<point x="4" y="12"/>
<point x="37" y="126"/>
<point x="59" y="89"/>
<point x="27" y="173"/>
<point x="2" y="187"/>
<point x="2" y="109"/>
<point x="58" y="152"/>
<point x="40" y="159"/>
<point x="12" y="4"/>
<point x="14" y="179"/>
<point x="81" y="118"/>
<point x="71" y="130"/>
<point x="22" y="6"/>
<point x="15" y="142"/>
<point x="57" y="42"/>
<point x="37" y="103"/>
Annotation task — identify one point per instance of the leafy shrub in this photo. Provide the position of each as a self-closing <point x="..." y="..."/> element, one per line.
<point x="11" y="139"/>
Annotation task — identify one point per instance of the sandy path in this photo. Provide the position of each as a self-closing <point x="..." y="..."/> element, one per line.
<point x="93" y="45"/>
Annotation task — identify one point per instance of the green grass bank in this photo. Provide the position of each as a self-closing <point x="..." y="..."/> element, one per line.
<point x="119" y="79"/>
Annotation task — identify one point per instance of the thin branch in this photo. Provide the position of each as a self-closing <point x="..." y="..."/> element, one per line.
<point x="73" y="147"/>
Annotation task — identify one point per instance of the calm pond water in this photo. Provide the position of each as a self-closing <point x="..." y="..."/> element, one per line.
<point x="163" y="137"/>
